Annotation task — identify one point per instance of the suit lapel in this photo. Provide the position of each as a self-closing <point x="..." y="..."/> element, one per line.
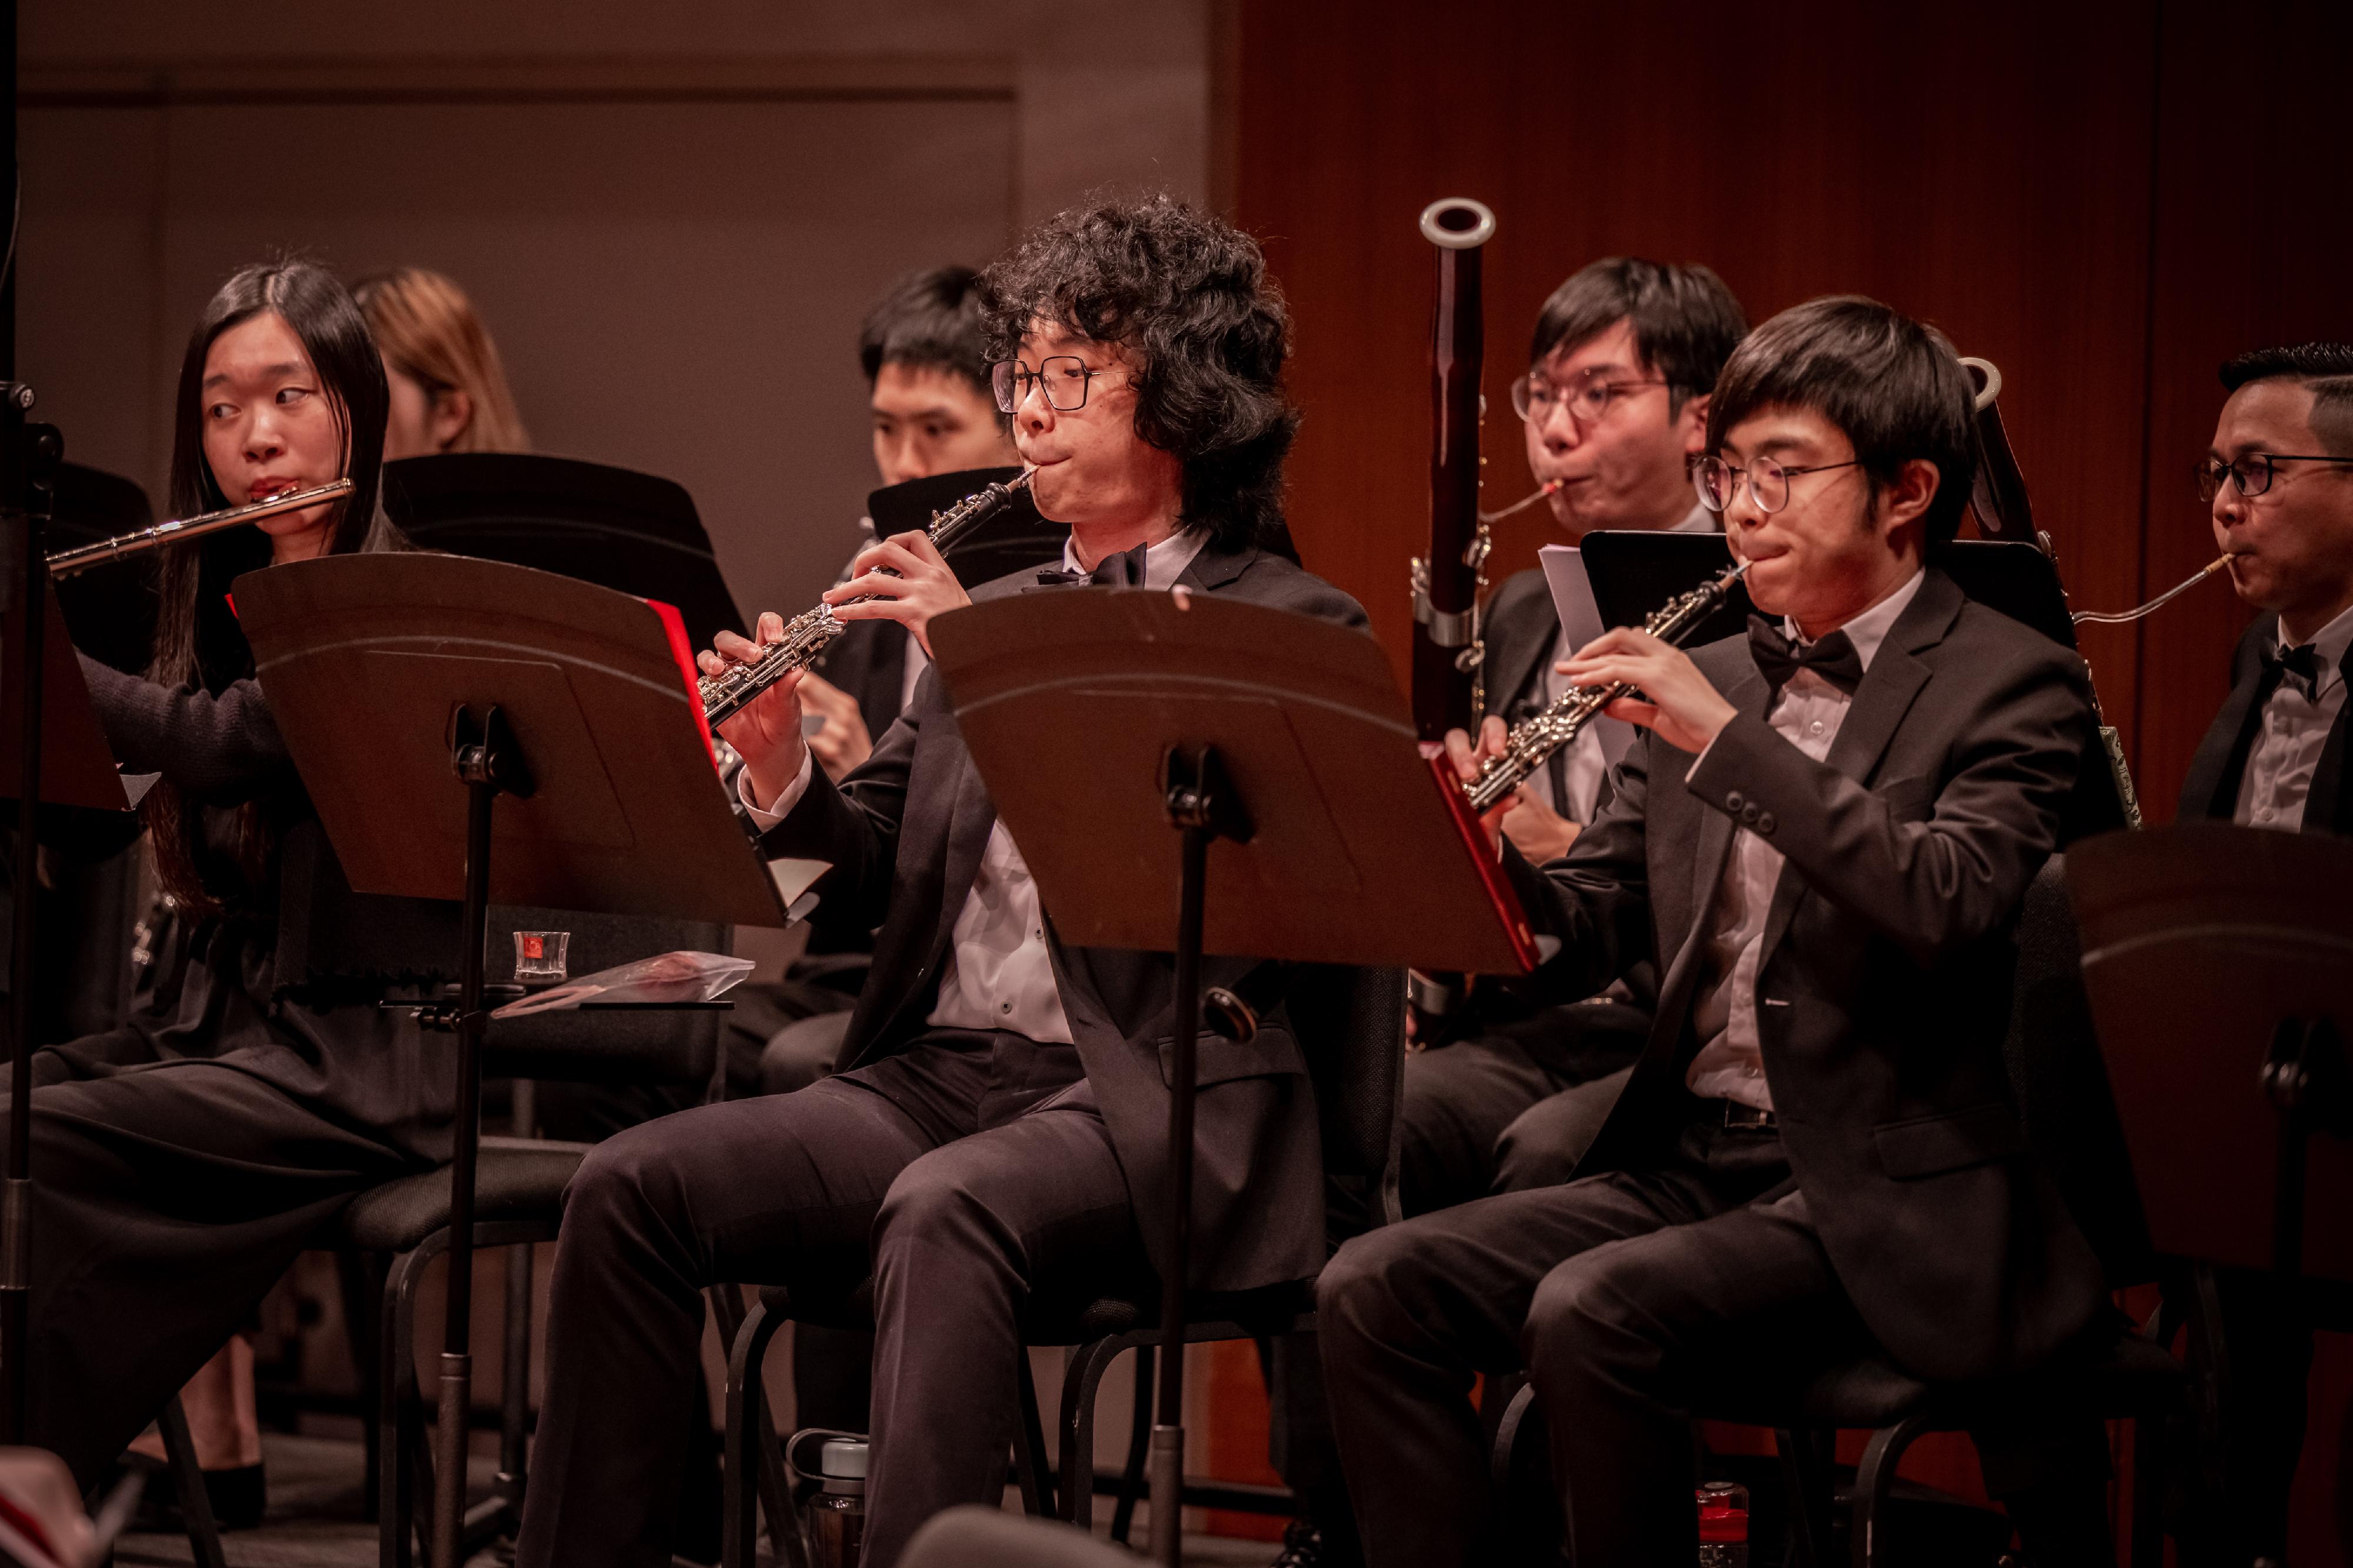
<point x="1888" y="690"/>
<point x="2329" y="808"/>
<point x="1212" y="568"/>
<point x="1521" y="658"/>
<point x="2203" y="792"/>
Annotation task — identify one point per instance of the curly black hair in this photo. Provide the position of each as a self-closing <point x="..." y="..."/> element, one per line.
<point x="1187" y="296"/>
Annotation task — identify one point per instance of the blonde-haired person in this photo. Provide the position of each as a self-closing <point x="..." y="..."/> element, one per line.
<point x="449" y="392"/>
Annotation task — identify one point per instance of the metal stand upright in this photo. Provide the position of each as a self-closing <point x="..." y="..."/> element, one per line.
<point x="25" y="602"/>
<point x="1202" y="805"/>
<point x="484" y="755"/>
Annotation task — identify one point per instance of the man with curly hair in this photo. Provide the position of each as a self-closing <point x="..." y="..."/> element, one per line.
<point x="998" y="1136"/>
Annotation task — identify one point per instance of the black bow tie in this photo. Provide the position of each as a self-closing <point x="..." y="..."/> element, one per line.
<point x="1834" y="659"/>
<point x="1124" y="570"/>
<point x="2302" y="662"/>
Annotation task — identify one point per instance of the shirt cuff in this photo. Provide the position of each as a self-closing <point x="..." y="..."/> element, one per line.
<point x="786" y="799"/>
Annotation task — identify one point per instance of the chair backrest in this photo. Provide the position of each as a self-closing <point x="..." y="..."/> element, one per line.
<point x="975" y="1537"/>
<point x="2061" y="1084"/>
<point x="631" y="1047"/>
<point x="1350" y="1023"/>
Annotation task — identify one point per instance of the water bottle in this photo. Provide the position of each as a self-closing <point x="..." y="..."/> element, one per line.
<point x="836" y="1515"/>
<point x="1723" y="1525"/>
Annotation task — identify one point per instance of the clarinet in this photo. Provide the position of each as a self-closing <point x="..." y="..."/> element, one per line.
<point x="1533" y="740"/>
<point x="808" y="634"/>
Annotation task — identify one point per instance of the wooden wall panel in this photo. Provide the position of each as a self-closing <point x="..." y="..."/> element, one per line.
<point x="2252" y="239"/>
<point x="1990" y="174"/>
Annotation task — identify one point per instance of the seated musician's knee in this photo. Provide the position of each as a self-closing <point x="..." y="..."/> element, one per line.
<point x="1361" y="1286"/>
<point x="1588" y="1314"/>
<point x="937" y="1202"/>
<point x="627" y="1177"/>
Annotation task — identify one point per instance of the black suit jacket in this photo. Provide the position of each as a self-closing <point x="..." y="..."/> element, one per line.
<point x="905" y="833"/>
<point x="869" y="660"/>
<point x="1888" y="951"/>
<point x="2211" y="788"/>
<point x="1520" y="628"/>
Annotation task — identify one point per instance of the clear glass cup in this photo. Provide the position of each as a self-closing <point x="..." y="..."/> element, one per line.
<point x="540" y="954"/>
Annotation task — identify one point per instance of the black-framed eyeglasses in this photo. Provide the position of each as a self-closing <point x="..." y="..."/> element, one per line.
<point x="1064" y="376"/>
<point x="2250" y="472"/>
<point x="1719" y="481"/>
<point x="1587" y="396"/>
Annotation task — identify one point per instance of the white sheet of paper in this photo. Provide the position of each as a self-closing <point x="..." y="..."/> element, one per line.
<point x="793" y="878"/>
<point x="1572" y="592"/>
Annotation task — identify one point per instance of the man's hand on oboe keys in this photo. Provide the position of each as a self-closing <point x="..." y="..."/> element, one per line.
<point x="767" y="730"/>
<point x="1469" y="759"/>
<point x="1676" y="699"/>
<point x="917" y="585"/>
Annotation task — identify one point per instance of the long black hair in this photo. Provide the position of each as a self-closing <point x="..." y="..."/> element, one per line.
<point x="197" y="643"/>
<point x="1188" y="295"/>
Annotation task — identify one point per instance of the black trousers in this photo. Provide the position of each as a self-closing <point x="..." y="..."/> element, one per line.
<point x="969" y="1174"/>
<point x="167" y="1201"/>
<point x="1628" y="1297"/>
<point x="1514" y="1106"/>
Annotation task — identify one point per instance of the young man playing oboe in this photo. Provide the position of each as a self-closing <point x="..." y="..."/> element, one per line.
<point x="998" y="1132"/>
<point x="1825" y="832"/>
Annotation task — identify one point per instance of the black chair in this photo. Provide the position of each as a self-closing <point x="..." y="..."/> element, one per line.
<point x="1352" y="1024"/>
<point x="2062" y="1095"/>
<point x="402" y="1226"/>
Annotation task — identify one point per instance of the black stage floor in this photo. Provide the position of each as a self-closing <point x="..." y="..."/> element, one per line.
<point x="314" y="1519"/>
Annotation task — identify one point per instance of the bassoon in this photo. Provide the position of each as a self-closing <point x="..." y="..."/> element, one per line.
<point x="1447" y="583"/>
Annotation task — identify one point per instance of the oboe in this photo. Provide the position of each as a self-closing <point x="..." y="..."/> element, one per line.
<point x="1533" y="740"/>
<point x="807" y="634"/>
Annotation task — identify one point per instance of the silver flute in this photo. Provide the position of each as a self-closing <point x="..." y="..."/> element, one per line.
<point x="1533" y="739"/>
<point x="82" y="557"/>
<point x="807" y="634"/>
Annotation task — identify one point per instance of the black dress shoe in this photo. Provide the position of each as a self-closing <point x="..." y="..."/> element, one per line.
<point x="1306" y="1544"/>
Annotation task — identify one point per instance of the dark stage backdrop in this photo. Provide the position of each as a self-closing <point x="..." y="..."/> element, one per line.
<point x="2104" y="199"/>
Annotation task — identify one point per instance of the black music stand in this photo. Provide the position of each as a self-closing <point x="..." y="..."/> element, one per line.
<point x="1634" y="573"/>
<point x="1277" y="749"/>
<point x="1015" y="537"/>
<point x="68" y="765"/>
<point x="629" y="532"/>
<point x="414" y="691"/>
<point x="2220" y="964"/>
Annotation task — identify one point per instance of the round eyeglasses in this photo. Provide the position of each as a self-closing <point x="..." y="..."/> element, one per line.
<point x="1065" y="378"/>
<point x="2250" y="472"/>
<point x="1536" y="396"/>
<point x="1719" y="481"/>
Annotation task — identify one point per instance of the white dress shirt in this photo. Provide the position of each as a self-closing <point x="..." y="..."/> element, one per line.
<point x="1000" y="974"/>
<point x="2296" y="726"/>
<point x="1603" y="743"/>
<point x="1731" y="1063"/>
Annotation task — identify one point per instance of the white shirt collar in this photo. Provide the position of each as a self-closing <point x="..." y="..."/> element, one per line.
<point x="1699" y="520"/>
<point x="1869" y="629"/>
<point x="2331" y="640"/>
<point x="1163" y="563"/>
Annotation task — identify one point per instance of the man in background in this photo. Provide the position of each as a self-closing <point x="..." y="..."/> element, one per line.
<point x="1614" y="403"/>
<point x="2279" y="478"/>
